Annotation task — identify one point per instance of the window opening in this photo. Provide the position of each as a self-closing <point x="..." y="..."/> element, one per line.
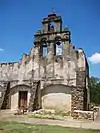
<point x="51" y="26"/>
<point x="58" y="47"/>
<point x="44" y="49"/>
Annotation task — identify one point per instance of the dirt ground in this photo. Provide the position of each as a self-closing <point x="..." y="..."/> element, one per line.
<point x="8" y="115"/>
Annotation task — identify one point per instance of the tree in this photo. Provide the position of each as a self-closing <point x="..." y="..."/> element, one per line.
<point x="94" y="86"/>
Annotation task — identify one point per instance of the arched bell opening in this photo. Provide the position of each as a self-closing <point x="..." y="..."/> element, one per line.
<point x="51" y="26"/>
<point x="43" y="48"/>
<point x="58" y="46"/>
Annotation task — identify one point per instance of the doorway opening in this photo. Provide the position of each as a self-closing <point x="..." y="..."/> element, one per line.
<point x="23" y="99"/>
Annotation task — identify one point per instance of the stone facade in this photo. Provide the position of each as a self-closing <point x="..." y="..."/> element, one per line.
<point x="54" y="74"/>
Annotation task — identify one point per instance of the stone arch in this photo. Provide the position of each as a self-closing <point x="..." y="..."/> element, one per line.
<point x="43" y="39"/>
<point x="20" y="87"/>
<point x="57" y="38"/>
<point x="56" y="96"/>
<point x="65" y="36"/>
<point x="51" y="26"/>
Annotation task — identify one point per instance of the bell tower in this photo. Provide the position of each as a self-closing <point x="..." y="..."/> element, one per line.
<point x="51" y="43"/>
<point x="51" y="37"/>
<point x="52" y="23"/>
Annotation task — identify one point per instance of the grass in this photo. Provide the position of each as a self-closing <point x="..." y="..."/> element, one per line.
<point x="14" y="127"/>
<point x="46" y="116"/>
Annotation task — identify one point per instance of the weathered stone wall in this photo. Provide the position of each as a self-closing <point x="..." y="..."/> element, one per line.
<point x="59" y="67"/>
<point x="82" y="76"/>
<point x="33" y="66"/>
<point x="65" y="69"/>
<point x="8" y="71"/>
<point x="33" y="101"/>
<point x="69" y="63"/>
<point x="56" y="97"/>
<point x="79" y="114"/>
<point x="77" y="98"/>
<point x="26" y="69"/>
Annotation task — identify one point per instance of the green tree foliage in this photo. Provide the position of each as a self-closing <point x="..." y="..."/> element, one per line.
<point x="94" y="86"/>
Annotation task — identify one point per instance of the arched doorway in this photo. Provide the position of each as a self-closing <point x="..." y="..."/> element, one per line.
<point x="20" y="96"/>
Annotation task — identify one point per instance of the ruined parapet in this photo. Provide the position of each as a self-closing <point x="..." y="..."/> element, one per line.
<point x="36" y="63"/>
<point x="31" y="54"/>
<point x="81" y="77"/>
<point x="9" y="71"/>
<point x="24" y="58"/>
<point x="81" y="59"/>
<point x="69" y="63"/>
<point x="81" y="68"/>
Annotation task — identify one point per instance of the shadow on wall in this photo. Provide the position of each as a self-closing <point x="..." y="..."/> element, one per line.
<point x="58" y="88"/>
<point x="2" y="95"/>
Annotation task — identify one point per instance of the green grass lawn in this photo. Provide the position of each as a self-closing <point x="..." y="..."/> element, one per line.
<point x="14" y="127"/>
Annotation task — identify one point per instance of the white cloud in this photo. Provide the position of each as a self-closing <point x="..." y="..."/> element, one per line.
<point x="1" y="49"/>
<point x="95" y="58"/>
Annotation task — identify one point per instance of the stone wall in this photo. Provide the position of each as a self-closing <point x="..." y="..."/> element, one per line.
<point x="27" y="68"/>
<point x="77" y="98"/>
<point x="79" y="114"/>
<point x="34" y="66"/>
<point x="56" y="97"/>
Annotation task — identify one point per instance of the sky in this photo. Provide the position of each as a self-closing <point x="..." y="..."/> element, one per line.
<point x="20" y="19"/>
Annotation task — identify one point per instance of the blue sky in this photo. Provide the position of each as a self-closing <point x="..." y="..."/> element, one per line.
<point x="19" y="20"/>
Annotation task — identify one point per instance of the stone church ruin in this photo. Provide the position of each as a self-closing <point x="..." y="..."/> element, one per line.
<point x="52" y="76"/>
